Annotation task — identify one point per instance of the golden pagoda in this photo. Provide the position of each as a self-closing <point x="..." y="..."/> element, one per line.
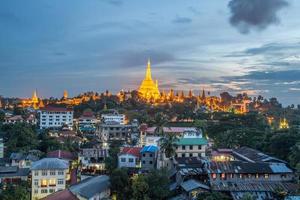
<point x="65" y="96"/>
<point x="35" y="98"/>
<point x="148" y="89"/>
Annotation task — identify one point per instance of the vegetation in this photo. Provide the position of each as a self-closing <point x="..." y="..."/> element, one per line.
<point x="111" y="162"/>
<point x="168" y="144"/>
<point x="13" y="192"/>
<point x="213" y="196"/>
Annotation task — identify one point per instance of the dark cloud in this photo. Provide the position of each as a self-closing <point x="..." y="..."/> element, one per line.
<point x="288" y="75"/>
<point x="182" y="20"/>
<point x="257" y="14"/>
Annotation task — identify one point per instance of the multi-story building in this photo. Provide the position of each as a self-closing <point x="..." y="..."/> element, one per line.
<point x="55" y="117"/>
<point x="192" y="144"/>
<point x="117" y="131"/>
<point x="130" y="157"/>
<point x="148" y="157"/>
<point x="113" y="117"/>
<point x="87" y="122"/>
<point x="49" y="175"/>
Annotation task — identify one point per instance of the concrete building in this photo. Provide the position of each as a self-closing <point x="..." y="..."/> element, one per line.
<point x="49" y="175"/>
<point x="113" y="118"/>
<point x="55" y="117"/>
<point x="115" y="131"/>
<point x="149" y="157"/>
<point x="87" y="122"/>
<point x="192" y="144"/>
<point x="130" y="157"/>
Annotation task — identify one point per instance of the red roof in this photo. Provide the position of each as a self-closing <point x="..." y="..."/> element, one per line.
<point x="61" y="154"/>
<point x="135" y="151"/>
<point x="56" y="109"/>
<point x="61" y="195"/>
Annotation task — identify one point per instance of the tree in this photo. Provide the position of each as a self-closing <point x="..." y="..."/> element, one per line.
<point x="2" y="116"/>
<point x="140" y="188"/>
<point x="294" y="156"/>
<point x="120" y="183"/>
<point x="168" y="144"/>
<point x="47" y="143"/>
<point x="212" y="196"/>
<point x="13" y="192"/>
<point x="160" y="120"/>
<point x="158" y="182"/>
<point x="111" y="162"/>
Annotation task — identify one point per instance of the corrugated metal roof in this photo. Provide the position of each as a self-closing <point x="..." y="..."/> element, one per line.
<point x="193" y="184"/>
<point x="192" y="141"/>
<point x="150" y="148"/>
<point x="50" y="163"/>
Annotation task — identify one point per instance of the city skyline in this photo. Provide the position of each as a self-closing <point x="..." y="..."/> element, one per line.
<point x="54" y="46"/>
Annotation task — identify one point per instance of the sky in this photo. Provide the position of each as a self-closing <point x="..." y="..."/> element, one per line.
<point x="237" y="46"/>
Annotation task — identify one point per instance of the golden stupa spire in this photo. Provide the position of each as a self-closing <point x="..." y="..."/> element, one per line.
<point x="148" y="71"/>
<point x="34" y="97"/>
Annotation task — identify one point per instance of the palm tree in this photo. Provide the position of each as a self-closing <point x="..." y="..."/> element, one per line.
<point x="168" y="144"/>
<point x="160" y="121"/>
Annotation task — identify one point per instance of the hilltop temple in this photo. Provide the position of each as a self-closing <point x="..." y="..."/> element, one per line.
<point x="148" y="89"/>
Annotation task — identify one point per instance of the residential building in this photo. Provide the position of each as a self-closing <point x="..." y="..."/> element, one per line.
<point x="113" y="118"/>
<point x="130" y="157"/>
<point x="49" y="175"/>
<point x="13" y="174"/>
<point x="30" y="119"/>
<point x="149" y="157"/>
<point x="92" y="159"/>
<point x="87" y="122"/>
<point x="115" y="131"/>
<point x="179" y="131"/>
<point x="22" y="160"/>
<point x="191" y="144"/>
<point x="55" y="117"/>
<point x="93" y="188"/>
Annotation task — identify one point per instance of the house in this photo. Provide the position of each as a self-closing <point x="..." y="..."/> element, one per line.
<point x="87" y="122"/>
<point x="13" y="174"/>
<point x="113" y="117"/>
<point x="148" y="157"/>
<point x="22" y="160"/>
<point x="130" y="157"/>
<point x="179" y="131"/>
<point x="93" y="188"/>
<point x="49" y="175"/>
<point x="92" y="158"/>
<point x="30" y="119"/>
<point x="115" y="131"/>
<point x="97" y="187"/>
<point x="55" y="117"/>
<point x="191" y="144"/>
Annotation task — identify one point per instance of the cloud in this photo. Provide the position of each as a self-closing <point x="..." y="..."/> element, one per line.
<point x="254" y="14"/>
<point x="182" y="20"/>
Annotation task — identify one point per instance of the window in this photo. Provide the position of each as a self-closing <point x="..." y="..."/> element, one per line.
<point x="60" y="172"/>
<point x="199" y="147"/>
<point x="52" y="172"/>
<point x="266" y="176"/>
<point x="36" y="173"/>
<point x="150" y="162"/>
<point x="44" y="173"/>
<point x="191" y="147"/>
<point x="52" y="182"/>
<point x="183" y="155"/>
<point x="36" y="191"/>
<point x="60" y="181"/>
<point x="123" y="159"/>
<point x="51" y="190"/>
<point x="43" y="191"/>
<point x="44" y="183"/>
<point x="36" y="182"/>
<point x="183" y="147"/>
<point x="144" y="162"/>
<point x="144" y="155"/>
<point x="191" y="155"/>
<point x="214" y="176"/>
<point x="151" y="155"/>
<point x="130" y="160"/>
<point x="223" y="176"/>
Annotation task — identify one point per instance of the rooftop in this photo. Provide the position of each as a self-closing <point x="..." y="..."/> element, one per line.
<point x="192" y="141"/>
<point x="61" y="154"/>
<point x="91" y="186"/>
<point x="56" y="109"/>
<point x="50" y="163"/>
<point x="135" y="151"/>
<point x="150" y="148"/>
<point x="61" y="195"/>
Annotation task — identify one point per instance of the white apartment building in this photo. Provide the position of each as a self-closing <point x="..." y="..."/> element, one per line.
<point x="113" y="118"/>
<point x="55" y="117"/>
<point x="49" y="175"/>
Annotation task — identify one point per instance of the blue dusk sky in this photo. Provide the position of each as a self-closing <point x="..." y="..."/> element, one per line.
<point x="92" y="45"/>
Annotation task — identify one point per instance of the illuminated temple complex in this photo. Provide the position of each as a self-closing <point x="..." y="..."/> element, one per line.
<point x="148" y="89"/>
